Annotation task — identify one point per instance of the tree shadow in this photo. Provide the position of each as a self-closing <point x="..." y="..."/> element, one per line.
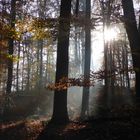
<point x="72" y="130"/>
<point x="105" y="105"/>
<point x="53" y="131"/>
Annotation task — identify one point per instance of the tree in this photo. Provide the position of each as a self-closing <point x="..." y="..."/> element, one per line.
<point x="134" y="39"/>
<point x="11" y="47"/>
<point x="60" y="114"/>
<point x="85" y="97"/>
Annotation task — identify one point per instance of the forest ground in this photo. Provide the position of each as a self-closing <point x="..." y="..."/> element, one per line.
<point x="116" y="117"/>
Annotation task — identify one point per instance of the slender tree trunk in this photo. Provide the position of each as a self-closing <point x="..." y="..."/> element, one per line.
<point x="28" y="69"/>
<point x="60" y="114"/>
<point x="47" y="74"/>
<point x="112" y="73"/>
<point x="126" y="67"/>
<point x="82" y="36"/>
<point x="105" y="5"/>
<point x="23" y="65"/>
<point x="17" y="71"/>
<point x="41" y="65"/>
<point x="86" y="90"/>
<point x="10" y="59"/>
<point x="77" y="8"/>
<point x="127" y="71"/>
<point x="11" y="48"/>
<point x="134" y="39"/>
<point x="76" y="50"/>
<point x="119" y="65"/>
<point x="77" y="44"/>
<point x="42" y="5"/>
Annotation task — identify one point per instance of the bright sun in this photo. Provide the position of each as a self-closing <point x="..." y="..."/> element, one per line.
<point x="110" y="34"/>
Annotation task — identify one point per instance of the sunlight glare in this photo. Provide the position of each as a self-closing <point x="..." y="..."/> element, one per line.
<point x="110" y="34"/>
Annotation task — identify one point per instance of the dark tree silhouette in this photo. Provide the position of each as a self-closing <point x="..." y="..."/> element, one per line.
<point x="85" y="98"/>
<point x="60" y="114"/>
<point x="134" y="38"/>
<point x="11" y="47"/>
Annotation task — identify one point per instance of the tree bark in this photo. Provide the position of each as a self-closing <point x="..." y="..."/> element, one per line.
<point x="86" y="90"/>
<point x="133" y="36"/>
<point x="60" y="114"/>
<point x="17" y="69"/>
<point x="77" y="8"/>
<point x="11" y="48"/>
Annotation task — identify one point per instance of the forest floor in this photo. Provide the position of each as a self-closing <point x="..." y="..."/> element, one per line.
<point x="121" y="121"/>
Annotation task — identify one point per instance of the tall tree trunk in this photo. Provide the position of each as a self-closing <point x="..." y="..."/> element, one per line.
<point x="41" y="65"/>
<point x="106" y="12"/>
<point x="42" y="5"/>
<point x="60" y="114"/>
<point x="112" y="73"/>
<point x="28" y="68"/>
<point x="86" y="90"/>
<point x="23" y="66"/>
<point x="17" y="71"/>
<point x="11" y="47"/>
<point x="77" y="40"/>
<point x="7" y="101"/>
<point x="82" y="36"/>
<point x="134" y="39"/>
<point x="126" y="67"/>
<point x="77" y="8"/>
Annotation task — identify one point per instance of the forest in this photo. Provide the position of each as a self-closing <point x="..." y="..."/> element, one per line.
<point x="69" y="69"/>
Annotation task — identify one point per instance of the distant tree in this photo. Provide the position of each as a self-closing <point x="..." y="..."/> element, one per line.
<point x="60" y="114"/>
<point x="106" y="13"/>
<point x="41" y="6"/>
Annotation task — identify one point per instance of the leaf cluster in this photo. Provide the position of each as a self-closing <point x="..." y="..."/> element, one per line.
<point x="65" y="83"/>
<point x="88" y="80"/>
